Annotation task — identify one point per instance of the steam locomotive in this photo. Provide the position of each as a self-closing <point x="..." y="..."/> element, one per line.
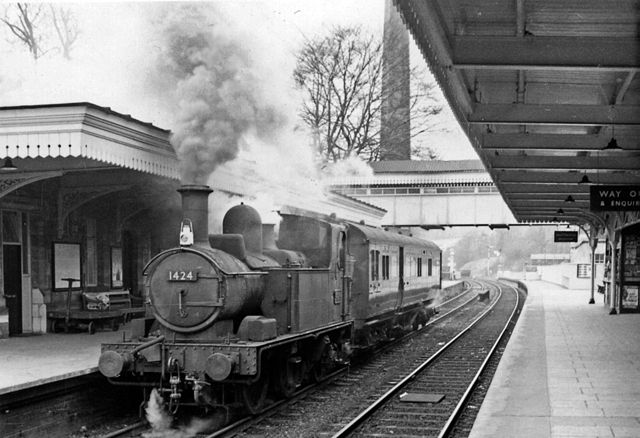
<point x="234" y="318"/>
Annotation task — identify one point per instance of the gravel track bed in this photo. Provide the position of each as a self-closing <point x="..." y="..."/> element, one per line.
<point x="464" y="424"/>
<point x="323" y="412"/>
<point x="449" y="377"/>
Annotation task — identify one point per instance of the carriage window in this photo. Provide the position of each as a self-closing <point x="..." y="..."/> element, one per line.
<point x="372" y="262"/>
<point x="385" y="267"/>
<point x="413" y="266"/>
<point x="419" y="266"/>
<point x="429" y="267"/>
<point x="375" y="261"/>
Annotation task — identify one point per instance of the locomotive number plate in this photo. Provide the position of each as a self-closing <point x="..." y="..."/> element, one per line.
<point x="183" y="276"/>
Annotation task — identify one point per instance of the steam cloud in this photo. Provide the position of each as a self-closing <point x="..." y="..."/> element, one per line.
<point x="160" y="421"/>
<point x="156" y="416"/>
<point x="218" y="92"/>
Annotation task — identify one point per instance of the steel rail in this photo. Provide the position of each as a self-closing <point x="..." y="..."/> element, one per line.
<point x="246" y="422"/>
<point x="364" y="415"/>
<point x="441" y="316"/>
<point x="465" y="397"/>
<point x="127" y="429"/>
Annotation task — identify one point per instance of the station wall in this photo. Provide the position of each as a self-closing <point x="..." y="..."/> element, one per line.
<point x="110" y="235"/>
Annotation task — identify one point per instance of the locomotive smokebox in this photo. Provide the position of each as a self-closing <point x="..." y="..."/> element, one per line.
<point x="195" y="208"/>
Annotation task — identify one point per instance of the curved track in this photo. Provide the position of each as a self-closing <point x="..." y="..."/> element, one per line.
<point x="427" y="401"/>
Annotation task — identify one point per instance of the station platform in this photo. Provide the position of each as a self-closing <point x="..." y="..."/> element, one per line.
<point x="27" y="361"/>
<point x="570" y="370"/>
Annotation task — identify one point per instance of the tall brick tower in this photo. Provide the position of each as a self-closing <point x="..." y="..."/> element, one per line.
<point x="395" y="133"/>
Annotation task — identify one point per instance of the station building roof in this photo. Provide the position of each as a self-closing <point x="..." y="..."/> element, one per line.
<point x="548" y="256"/>
<point x="419" y="173"/>
<point x="542" y="89"/>
<point x="81" y="131"/>
<point x="427" y="166"/>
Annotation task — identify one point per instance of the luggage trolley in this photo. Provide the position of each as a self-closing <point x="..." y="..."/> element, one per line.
<point x="86" y="317"/>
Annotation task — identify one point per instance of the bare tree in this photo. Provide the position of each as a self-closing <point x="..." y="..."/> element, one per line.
<point x="23" y="19"/>
<point x="37" y="27"/>
<point x="66" y="28"/>
<point x="341" y="77"/>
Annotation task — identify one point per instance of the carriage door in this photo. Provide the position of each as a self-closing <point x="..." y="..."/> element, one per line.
<point x="346" y="263"/>
<point x="400" y="278"/>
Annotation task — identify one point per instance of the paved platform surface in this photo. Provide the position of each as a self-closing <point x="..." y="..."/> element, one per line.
<point x="569" y="370"/>
<point x="27" y="361"/>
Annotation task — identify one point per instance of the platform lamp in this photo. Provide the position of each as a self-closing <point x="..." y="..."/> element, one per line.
<point x="569" y="199"/>
<point x="8" y="165"/>
<point x="584" y="180"/>
<point x="613" y="143"/>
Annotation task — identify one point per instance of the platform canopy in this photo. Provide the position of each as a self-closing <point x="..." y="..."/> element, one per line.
<point x="547" y="91"/>
<point x="80" y="136"/>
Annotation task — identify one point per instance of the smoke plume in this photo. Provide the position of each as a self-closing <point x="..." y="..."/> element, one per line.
<point x="216" y="87"/>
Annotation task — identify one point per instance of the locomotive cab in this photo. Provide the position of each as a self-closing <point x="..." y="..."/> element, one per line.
<point x="308" y="235"/>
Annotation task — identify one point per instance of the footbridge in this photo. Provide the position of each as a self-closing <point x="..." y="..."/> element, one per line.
<point x="430" y="194"/>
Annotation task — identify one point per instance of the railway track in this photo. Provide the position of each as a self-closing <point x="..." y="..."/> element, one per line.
<point x="428" y="401"/>
<point x="467" y="415"/>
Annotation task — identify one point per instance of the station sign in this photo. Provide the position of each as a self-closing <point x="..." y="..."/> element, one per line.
<point x="615" y="198"/>
<point x="565" y="236"/>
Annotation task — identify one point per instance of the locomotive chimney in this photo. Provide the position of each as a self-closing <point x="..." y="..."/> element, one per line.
<point x="195" y="208"/>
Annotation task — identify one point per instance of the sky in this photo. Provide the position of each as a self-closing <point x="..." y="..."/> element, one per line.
<point x="116" y="54"/>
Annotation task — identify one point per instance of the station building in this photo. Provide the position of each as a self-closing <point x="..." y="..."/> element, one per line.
<point x="86" y="194"/>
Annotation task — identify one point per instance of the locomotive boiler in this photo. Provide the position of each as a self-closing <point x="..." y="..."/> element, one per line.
<point x="235" y="318"/>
